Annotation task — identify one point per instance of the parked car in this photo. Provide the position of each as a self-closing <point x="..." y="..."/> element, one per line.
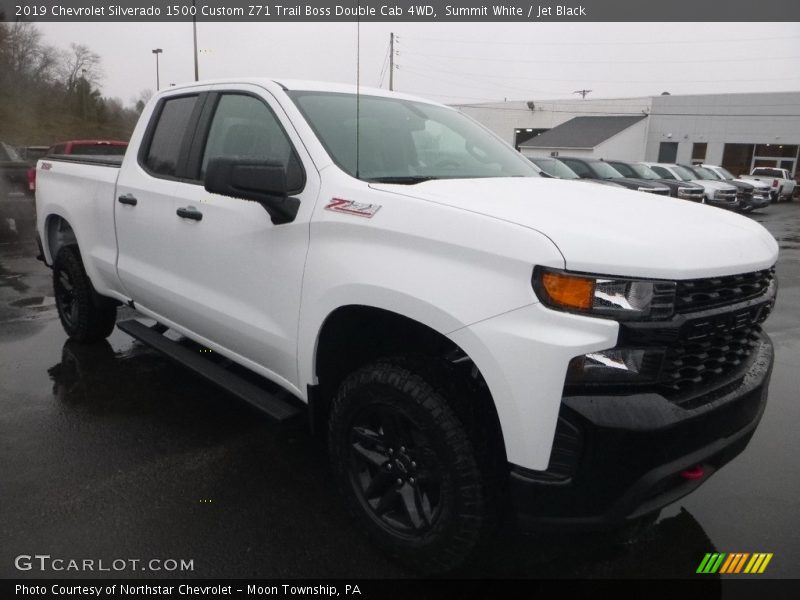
<point x="471" y="349"/>
<point x="97" y="148"/>
<point x="599" y="170"/>
<point x="555" y="168"/>
<point x="780" y="181"/>
<point x="744" y="191"/>
<point x="761" y="192"/>
<point x="677" y="189"/>
<point x="12" y="172"/>
<point x="716" y="193"/>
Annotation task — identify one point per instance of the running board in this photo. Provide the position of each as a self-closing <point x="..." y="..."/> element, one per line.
<point x="273" y="404"/>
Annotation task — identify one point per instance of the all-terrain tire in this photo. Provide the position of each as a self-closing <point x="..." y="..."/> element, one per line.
<point x="418" y="468"/>
<point x="85" y="315"/>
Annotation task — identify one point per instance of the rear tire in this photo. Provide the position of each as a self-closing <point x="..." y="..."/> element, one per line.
<point x="415" y="473"/>
<point x="85" y="315"/>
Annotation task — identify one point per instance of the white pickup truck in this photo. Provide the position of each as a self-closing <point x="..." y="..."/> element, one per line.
<point x="474" y="340"/>
<point x="780" y="180"/>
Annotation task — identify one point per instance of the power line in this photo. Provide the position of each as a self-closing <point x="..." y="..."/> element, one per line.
<point x="421" y="73"/>
<point x="626" y="114"/>
<point x="588" y="62"/>
<point x="595" y="81"/>
<point x="737" y="41"/>
<point x="383" y="67"/>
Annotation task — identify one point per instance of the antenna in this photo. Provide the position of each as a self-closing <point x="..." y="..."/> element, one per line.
<point x="358" y="87"/>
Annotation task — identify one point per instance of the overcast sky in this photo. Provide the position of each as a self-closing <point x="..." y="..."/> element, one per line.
<point x="456" y="62"/>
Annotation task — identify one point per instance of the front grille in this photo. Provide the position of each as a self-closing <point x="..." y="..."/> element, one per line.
<point x="729" y="196"/>
<point x="716" y="328"/>
<point x="697" y="294"/>
<point x="660" y="191"/>
<point x="744" y="195"/>
<point x="690" y="193"/>
<point x="702" y="358"/>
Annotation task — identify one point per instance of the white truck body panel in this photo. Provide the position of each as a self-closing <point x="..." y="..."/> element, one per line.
<point x="454" y="255"/>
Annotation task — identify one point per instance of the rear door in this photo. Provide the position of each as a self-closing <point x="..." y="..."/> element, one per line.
<point x="147" y="189"/>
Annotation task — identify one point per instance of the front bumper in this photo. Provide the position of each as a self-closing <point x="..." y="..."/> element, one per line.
<point x="728" y="202"/>
<point x="628" y="455"/>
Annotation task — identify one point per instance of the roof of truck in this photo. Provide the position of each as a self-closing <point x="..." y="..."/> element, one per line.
<point x="306" y="85"/>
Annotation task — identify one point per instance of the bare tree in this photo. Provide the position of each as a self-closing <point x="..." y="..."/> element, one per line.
<point x="80" y="64"/>
<point x="142" y="99"/>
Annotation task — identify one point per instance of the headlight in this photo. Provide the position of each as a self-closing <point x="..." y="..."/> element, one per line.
<point x="610" y="297"/>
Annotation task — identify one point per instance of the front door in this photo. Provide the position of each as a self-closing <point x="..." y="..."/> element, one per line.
<point x="238" y="274"/>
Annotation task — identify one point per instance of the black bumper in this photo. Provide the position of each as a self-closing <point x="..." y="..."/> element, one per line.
<point x="630" y="453"/>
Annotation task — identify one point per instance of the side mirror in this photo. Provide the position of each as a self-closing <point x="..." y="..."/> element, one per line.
<point x="257" y="180"/>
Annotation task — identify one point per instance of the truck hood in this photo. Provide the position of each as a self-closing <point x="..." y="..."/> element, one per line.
<point x="756" y="184"/>
<point x="710" y="184"/>
<point x="599" y="229"/>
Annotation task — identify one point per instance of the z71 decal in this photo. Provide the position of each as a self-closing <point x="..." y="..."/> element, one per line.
<point x="360" y="209"/>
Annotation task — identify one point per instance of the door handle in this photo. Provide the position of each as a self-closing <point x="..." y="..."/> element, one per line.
<point x="127" y="199"/>
<point x="189" y="213"/>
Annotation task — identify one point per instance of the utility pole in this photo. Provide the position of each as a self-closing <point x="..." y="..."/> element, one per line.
<point x="194" y="32"/>
<point x="582" y="93"/>
<point x="391" y="61"/>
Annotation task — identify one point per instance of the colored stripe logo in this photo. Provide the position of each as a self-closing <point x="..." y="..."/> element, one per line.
<point x="733" y="563"/>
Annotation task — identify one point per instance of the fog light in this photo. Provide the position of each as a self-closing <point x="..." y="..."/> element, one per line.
<point x="617" y="365"/>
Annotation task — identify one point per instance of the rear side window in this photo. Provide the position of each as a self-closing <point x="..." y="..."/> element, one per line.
<point x="165" y="144"/>
<point x="98" y="149"/>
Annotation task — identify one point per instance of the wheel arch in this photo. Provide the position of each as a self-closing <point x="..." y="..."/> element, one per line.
<point x="58" y="233"/>
<point x="354" y="335"/>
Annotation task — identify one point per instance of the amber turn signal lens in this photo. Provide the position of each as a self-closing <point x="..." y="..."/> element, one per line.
<point x="569" y="291"/>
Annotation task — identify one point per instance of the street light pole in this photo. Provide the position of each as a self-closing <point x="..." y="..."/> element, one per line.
<point x="194" y="32"/>
<point x="157" y="51"/>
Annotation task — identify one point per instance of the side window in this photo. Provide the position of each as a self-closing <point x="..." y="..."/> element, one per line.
<point x="245" y="127"/>
<point x="165" y="143"/>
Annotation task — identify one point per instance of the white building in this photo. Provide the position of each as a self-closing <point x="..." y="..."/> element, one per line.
<point x="738" y="131"/>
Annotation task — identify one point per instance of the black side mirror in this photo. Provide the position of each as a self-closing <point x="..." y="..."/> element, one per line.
<point x="257" y="180"/>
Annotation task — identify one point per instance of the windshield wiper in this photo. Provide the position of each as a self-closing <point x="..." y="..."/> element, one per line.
<point x="402" y="179"/>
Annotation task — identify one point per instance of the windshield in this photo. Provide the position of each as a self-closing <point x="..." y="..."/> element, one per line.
<point x="624" y="169"/>
<point x="645" y="172"/>
<point x="724" y="173"/>
<point x="605" y="170"/>
<point x="705" y="174"/>
<point x="684" y="173"/>
<point x="401" y="141"/>
<point x="8" y="153"/>
<point x="554" y="167"/>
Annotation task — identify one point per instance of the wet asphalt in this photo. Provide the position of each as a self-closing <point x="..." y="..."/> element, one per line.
<point x="113" y="452"/>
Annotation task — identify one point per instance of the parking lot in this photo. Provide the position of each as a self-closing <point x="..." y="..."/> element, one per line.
<point x="111" y="451"/>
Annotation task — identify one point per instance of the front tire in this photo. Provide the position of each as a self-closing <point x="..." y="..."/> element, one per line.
<point x="85" y="315"/>
<point x="412" y="469"/>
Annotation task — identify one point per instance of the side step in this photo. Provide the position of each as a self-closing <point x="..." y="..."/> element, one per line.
<point x="272" y="404"/>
